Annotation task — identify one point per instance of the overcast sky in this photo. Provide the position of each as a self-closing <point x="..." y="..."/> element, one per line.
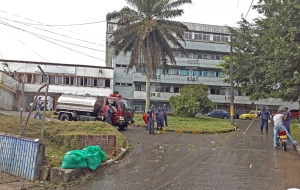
<point x="23" y="41"/>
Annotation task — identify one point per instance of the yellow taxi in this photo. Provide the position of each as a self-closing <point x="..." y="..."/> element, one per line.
<point x="250" y="115"/>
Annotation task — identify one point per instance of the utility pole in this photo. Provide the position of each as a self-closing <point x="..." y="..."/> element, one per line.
<point x="21" y="104"/>
<point x="45" y="103"/>
<point x="231" y="84"/>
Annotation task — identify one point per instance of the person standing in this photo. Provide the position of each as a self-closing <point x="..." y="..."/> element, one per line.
<point x="278" y="126"/>
<point x="264" y="118"/>
<point x="159" y="121"/>
<point x="109" y="112"/>
<point x="287" y="119"/>
<point x="165" y="114"/>
<point x="151" y="120"/>
<point x="38" y="104"/>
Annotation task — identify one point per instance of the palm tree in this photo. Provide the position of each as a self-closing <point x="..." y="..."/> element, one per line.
<point x="145" y="31"/>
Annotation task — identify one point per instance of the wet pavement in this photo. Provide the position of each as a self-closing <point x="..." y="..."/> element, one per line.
<point x="186" y="161"/>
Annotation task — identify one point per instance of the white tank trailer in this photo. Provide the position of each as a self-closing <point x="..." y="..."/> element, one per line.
<point x="85" y="108"/>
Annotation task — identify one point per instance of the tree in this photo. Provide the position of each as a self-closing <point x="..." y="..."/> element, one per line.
<point x="192" y="99"/>
<point x="267" y="56"/>
<point x="145" y="31"/>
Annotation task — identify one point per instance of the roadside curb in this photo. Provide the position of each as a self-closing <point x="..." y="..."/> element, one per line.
<point x="196" y="132"/>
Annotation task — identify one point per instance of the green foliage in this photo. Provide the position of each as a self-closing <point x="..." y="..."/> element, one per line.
<point x="146" y="31"/>
<point x="193" y="99"/>
<point x="267" y="52"/>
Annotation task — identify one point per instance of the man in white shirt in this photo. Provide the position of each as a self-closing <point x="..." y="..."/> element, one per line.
<point x="278" y="125"/>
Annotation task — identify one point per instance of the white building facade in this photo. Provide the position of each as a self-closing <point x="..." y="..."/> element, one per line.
<point x="205" y="47"/>
<point x="63" y="79"/>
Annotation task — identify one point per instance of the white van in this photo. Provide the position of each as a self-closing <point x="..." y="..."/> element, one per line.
<point x="49" y="106"/>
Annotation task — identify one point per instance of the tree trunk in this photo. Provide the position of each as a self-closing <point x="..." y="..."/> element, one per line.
<point x="147" y="91"/>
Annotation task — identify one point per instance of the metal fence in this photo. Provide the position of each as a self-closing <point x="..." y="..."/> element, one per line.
<point x="19" y="155"/>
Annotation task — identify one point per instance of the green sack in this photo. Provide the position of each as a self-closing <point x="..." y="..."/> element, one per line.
<point x="94" y="156"/>
<point x="74" y="159"/>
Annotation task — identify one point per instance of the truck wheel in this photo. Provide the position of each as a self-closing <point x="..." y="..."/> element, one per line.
<point x="122" y="127"/>
<point x="65" y="117"/>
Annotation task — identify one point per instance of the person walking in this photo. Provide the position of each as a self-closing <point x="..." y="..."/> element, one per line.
<point x="264" y="115"/>
<point x="287" y="119"/>
<point x="38" y="104"/>
<point x="165" y="114"/>
<point x="109" y="112"/>
<point x="151" y="120"/>
<point x="159" y="121"/>
<point x="278" y="126"/>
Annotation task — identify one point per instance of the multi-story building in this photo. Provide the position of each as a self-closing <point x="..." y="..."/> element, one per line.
<point x="205" y="47"/>
<point x="63" y="79"/>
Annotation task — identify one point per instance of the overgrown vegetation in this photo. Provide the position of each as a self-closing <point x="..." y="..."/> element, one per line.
<point x="201" y="123"/>
<point x="295" y="130"/>
<point x="192" y="99"/>
<point x="55" y="131"/>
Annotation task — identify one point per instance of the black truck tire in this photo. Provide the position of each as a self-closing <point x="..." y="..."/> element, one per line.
<point x="122" y="127"/>
<point x="65" y="117"/>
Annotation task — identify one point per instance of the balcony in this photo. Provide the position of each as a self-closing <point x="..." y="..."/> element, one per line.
<point x="182" y="80"/>
<point x="245" y="100"/>
<point x="159" y="96"/>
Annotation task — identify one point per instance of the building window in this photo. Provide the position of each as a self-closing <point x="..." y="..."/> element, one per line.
<point x="66" y="80"/>
<point x="198" y="36"/>
<point x="179" y="55"/>
<point x="193" y="56"/>
<point x="218" y="57"/>
<point x="159" y="71"/>
<point x="159" y="89"/>
<point x="107" y="82"/>
<point x="196" y="73"/>
<point x="44" y="79"/>
<point x="168" y="89"/>
<point x="101" y="82"/>
<point x="143" y="88"/>
<point x="213" y="74"/>
<point x="29" y="78"/>
<point x="176" y="89"/>
<point x="138" y="88"/>
<point x="51" y="79"/>
<point x="184" y="72"/>
<point x="206" y="37"/>
<point x="204" y="73"/>
<point x="87" y="82"/>
<point x="36" y="79"/>
<point x="121" y="65"/>
<point x="59" y="79"/>
<point x="73" y="81"/>
<point x="94" y="82"/>
<point x="220" y="74"/>
<point x="188" y="35"/>
<point x="79" y="81"/>
<point x="111" y="27"/>
<point x="224" y="38"/>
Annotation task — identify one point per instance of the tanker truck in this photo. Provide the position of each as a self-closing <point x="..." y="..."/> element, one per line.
<point x="93" y="108"/>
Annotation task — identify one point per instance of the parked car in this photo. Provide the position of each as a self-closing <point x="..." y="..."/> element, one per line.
<point x="250" y="115"/>
<point x="219" y="114"/>
<point x="295" y="114"/>
<point x="208" y="114"/>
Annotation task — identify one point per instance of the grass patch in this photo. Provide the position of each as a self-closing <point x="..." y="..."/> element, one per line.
<point x="200" y="123"/>
<point x="295" y="129"/>
<point x="54" y="130"/>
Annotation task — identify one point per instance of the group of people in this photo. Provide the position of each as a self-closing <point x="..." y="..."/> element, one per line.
<point x="282" y="121"/>
<point x="161" y="119"/>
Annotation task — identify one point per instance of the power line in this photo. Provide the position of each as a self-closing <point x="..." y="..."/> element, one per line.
<point x="32" y="49"/>
<point x="63" y="35"/>
<point x="249" y="9"/>
<point x="56" y="24"/>
<point x="1" y="22"/>
<point x="237" y="6"/>
<point x="35" y="34"/>
<point x="1" y="55"/>
<point x="42" y="24"/>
